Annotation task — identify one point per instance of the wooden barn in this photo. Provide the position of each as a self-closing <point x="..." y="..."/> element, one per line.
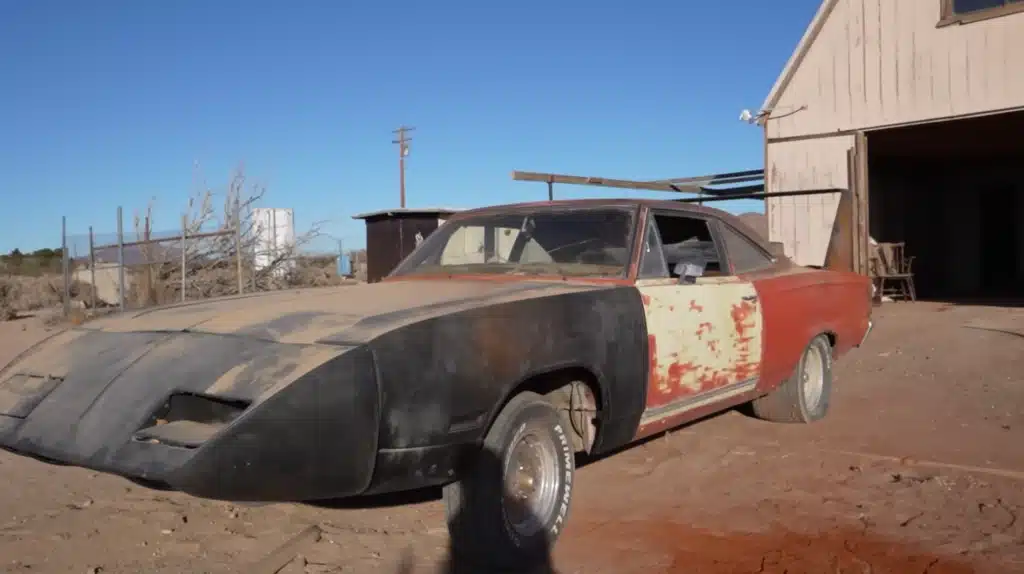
<point x="918" y="107"/>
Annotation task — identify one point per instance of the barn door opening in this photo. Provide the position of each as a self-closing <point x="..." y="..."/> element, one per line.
<point x="999" y="206"/>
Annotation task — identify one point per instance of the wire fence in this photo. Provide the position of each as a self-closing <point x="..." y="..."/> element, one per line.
<point x="142" y="267"/>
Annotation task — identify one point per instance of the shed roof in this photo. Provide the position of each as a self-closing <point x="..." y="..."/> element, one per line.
<point x="407" y="211"/>
<point x="810" y="35"/>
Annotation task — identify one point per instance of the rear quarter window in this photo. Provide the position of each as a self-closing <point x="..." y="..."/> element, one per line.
<point x="743" y="254"/>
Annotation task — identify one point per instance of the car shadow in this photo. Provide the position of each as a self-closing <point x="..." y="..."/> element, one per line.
<point x="372" y="501"/>
<point x="584" y="460"/>
<point x="464" y="556"/>
<point x="460" y="557"/>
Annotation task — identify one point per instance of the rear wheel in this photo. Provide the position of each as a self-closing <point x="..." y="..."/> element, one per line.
<point x="805" y="396"/>
<point x="512" y="503"/>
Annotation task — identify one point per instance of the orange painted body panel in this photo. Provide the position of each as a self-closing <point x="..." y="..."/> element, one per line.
<point x="799" y="303"/>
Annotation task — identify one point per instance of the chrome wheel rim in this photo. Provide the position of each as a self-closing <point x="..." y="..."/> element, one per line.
<point x="813" y="375"/>
<point x="531" y="483"/>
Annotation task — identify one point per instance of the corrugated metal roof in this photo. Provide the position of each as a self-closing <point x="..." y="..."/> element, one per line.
<point x="408" y="211"/>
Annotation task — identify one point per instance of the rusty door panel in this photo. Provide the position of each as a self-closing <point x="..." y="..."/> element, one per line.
<point x="701" y="338"/>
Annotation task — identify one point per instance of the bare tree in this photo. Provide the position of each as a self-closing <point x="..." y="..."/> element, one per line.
<point x="219" y="244"/>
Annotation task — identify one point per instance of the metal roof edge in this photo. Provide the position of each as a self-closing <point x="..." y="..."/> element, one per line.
<point x="408" y="211"/>
<point x="793" y="64"/>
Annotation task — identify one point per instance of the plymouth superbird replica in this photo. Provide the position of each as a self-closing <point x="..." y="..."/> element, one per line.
<point x="510" y="340"/>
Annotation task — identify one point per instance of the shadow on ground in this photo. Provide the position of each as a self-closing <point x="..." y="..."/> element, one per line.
<point x="466" y="556"/>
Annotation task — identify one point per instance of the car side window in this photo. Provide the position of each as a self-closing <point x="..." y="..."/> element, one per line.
<point x="686" y="240"/>
<point x="744" y="255"/>
<point x="652" y="259"/>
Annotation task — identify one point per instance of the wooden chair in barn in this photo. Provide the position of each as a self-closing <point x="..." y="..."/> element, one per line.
<point x="894" y="272"/>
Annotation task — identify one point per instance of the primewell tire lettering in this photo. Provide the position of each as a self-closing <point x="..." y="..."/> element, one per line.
<point x="563" y="507"/>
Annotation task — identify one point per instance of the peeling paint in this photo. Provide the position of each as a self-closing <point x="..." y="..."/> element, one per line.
<point x="701" y="337"/>
<point x="741" y="315"/>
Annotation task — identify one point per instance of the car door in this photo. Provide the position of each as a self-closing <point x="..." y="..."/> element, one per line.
<point x="704" y="337"/>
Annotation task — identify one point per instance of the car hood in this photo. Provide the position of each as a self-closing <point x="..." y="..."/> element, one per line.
<point x="79" y="395"/>
<point x="339" y="315"/>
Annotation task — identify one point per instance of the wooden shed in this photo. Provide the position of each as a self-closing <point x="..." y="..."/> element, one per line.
<point x="917" y="106"/>
<point x="391" y="234"/>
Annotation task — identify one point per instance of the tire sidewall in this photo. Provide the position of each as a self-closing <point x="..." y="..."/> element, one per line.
<point x="543" y="420"/>
<point x="817" y="412"/>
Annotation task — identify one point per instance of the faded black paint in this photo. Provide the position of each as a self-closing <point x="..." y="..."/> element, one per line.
<point x="443" y="370"/>
<point x="314" y="438"/>
<point x="408" y="392"/>
<point x="283" y="325"/>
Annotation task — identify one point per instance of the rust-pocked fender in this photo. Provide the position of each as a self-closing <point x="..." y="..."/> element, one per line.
<point x="800" y="303"/>
<point x="443" y="378"/>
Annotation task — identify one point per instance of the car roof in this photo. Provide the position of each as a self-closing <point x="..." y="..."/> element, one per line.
<point x="660" y="204"/>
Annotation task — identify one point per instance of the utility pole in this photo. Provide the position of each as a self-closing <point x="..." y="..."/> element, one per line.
<point x="403" y="150"/>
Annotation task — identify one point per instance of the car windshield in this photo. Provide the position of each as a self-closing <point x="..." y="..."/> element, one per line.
<point x="578" y="242"/>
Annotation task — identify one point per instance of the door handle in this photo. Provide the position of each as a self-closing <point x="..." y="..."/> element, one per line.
<point x="750" y="298"/>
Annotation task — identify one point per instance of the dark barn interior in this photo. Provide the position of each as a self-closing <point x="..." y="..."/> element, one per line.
<point x="952" y="191"/>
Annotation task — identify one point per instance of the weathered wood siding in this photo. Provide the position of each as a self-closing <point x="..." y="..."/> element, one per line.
<point x="884" y="62"/>
<point x="804" y="223"/>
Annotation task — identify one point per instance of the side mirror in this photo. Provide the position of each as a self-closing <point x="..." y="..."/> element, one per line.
<point x="688" y="272"/>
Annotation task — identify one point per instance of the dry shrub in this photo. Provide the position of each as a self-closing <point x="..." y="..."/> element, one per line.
<point x="309" y="273"/>
<point x="21" y="294"/>
<point x="220" y="280"/>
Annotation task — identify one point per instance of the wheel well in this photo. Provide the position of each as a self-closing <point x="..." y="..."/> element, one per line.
<point x="576" y="393"/>
<point x="831" y="338"/>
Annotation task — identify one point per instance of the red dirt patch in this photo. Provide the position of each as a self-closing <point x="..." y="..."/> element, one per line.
<point x="680" y="549"/>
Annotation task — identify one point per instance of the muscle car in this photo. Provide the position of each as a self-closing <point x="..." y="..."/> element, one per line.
<point x="510" y="340"/>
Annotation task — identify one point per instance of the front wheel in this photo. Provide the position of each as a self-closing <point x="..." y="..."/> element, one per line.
<point x="509" y="507"/>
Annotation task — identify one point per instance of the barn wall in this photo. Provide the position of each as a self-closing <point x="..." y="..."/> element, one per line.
<point x="884" y="62"/>
<point x="804" y="223"/>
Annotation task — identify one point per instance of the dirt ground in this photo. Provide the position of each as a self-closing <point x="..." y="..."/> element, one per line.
<point x="918" y="469"/>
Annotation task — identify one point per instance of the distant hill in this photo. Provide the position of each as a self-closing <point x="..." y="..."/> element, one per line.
<point x="757" y="221"/>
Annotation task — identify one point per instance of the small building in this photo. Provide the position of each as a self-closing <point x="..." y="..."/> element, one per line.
<point x="392" y="234"/>
<point x="917" y="107"/>
<point x="107" y="273"/>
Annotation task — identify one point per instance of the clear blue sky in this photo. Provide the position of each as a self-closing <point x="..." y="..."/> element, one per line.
<point x="112" y="102"/>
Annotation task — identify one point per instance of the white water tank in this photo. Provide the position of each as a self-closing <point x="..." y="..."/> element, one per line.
<point x="275" y="237"/>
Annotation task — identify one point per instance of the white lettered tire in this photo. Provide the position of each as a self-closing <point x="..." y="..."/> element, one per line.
<point x="510" y="505"/>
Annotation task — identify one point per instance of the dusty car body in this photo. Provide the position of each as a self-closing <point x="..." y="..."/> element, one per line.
<point x="667" y="313"/>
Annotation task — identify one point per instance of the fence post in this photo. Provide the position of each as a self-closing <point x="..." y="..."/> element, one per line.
<point x="92" y="270"/>
<point x="184" y="247"/>
<point x="120" y="260"/>
<point x="65" y="264"/>
<point x="238" y="243"/>
<point x="341" y="262"/>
